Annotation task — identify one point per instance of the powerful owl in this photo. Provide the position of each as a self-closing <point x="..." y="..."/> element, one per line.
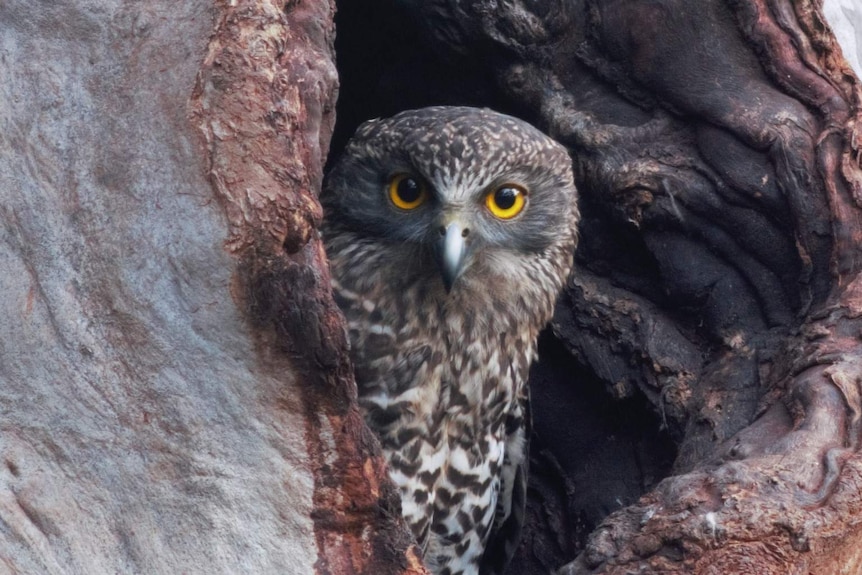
<point x="450" y="232"/>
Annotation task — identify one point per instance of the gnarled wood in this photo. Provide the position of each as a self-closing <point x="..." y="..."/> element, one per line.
<point x="173" y="377"/>
<point x="717" y="154"/>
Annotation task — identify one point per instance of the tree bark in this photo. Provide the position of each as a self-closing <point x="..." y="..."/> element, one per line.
<point x="174" y="385"/>
<point x="716" y="148"/>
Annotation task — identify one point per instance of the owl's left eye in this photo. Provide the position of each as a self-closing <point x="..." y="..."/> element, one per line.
<point x="507" y="201"/>
<point x="407" y="192"/>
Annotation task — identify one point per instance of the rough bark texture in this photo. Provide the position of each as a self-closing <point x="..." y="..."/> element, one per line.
<point x="717" y="298"/>
<point x="173" y="380"/>
<point x="174" y="387"/>
<point x="265" y="102"/>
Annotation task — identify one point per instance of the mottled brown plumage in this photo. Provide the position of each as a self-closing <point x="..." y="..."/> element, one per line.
<point x="444" y="299"/>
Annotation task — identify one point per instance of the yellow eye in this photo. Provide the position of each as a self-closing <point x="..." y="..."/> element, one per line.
<point x="506" y="202"/>
<point x="407" y="192"/>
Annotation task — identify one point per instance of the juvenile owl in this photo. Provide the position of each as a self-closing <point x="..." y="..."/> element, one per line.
<point x="450" y="232"/>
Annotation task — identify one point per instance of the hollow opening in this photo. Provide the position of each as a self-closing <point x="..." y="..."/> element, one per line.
<point x="591" y="454"/>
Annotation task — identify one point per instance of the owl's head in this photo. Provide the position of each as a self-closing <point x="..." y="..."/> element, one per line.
<point x="474" y="190"/>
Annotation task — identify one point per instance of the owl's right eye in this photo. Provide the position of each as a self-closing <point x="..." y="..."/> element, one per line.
<point x="407" y="192"/>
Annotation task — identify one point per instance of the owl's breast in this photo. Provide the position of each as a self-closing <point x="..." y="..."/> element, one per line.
<point x="424" y="356"/>
<point x="440" y="378"/>
<point x="433" y="370"/>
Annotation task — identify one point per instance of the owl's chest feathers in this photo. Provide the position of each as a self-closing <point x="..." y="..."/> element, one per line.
<point x="426" y="359"/>
<point x="446" y="363"/>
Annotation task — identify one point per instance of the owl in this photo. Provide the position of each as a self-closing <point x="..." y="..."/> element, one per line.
<point x="450" y="232"/>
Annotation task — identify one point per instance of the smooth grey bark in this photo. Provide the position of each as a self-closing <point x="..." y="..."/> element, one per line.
<point x="138" y="432"/>
<point x="845" y="18"/>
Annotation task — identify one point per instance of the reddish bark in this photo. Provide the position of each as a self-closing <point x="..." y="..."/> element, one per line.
<point x="265" y="104"/>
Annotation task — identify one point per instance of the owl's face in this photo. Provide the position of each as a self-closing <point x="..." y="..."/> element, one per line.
<point x="470" y="190"/>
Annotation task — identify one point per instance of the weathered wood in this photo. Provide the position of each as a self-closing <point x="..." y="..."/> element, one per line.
<point x="173" y="378"/>
<point x="174" y="385"/>
<point x="717" y="154"/>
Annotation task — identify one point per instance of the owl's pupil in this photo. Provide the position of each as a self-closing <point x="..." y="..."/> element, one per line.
<point x="505" y="198"/>
<point x="409" y="190"/>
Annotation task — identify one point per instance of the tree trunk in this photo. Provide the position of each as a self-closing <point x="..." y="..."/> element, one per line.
<point x="710" y="334"/>
<point x="174" y="383"/>
<point x="175" y="391"/>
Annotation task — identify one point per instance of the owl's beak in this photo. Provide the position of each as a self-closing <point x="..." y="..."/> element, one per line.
<point x="450" y="253"/>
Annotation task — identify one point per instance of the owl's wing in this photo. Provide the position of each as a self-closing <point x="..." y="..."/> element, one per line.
<point x="512" y="501"/>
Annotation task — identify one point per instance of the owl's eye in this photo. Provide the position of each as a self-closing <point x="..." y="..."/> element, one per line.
<point x="407" y="192"/>
<point x="506" y="202"/>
